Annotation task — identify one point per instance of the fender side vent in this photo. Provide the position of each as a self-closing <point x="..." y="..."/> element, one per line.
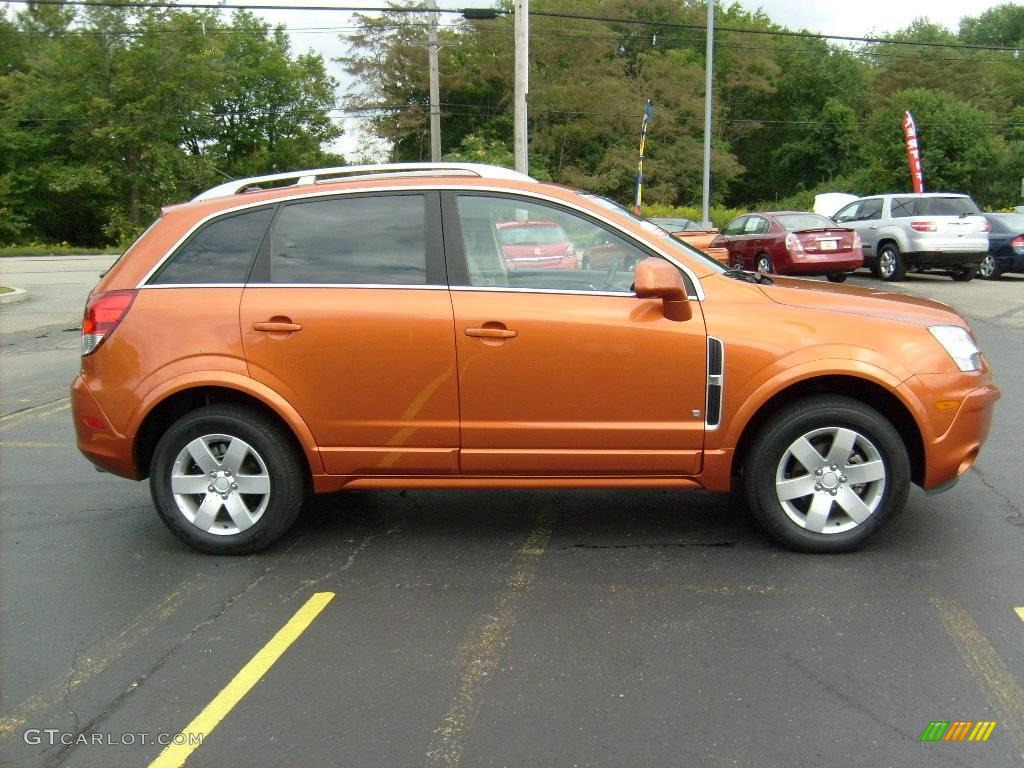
<point x="716" y="369"/>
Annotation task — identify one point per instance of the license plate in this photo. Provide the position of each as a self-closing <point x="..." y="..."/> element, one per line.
<point x="827" y="245"/>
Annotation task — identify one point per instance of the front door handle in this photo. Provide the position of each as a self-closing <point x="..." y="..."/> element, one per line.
<point x="491" y="333"/>
<point x="277" y="327"/>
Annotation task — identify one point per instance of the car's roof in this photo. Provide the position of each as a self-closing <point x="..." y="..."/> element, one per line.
<point x="916" y="194"/>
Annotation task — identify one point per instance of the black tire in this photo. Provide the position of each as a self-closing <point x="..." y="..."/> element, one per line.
<point x="890" y="265"/>
<point x="836" y="277"/>
<point x="989" y="268"/>
<point x="771" y="448"/>
<point x="270" y="451"/>
<point x="965" y="275"/>
<point x="763" y="264"/>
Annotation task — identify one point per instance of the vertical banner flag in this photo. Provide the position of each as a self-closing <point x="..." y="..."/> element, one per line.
<point x="648" y="114"/>
<point x="913" y="153"/>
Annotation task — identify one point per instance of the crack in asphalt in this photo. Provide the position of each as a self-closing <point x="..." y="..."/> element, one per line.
<point x="1006" y="499"/>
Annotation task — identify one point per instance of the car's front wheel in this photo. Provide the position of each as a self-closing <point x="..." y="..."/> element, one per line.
<point x="227" y="480"/>
<point x="825" y="474"/>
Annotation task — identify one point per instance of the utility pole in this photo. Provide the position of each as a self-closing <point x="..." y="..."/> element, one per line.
<point x="707" y="112"/>
<point x="522" y="75"/>
<point x="435" y="87"/>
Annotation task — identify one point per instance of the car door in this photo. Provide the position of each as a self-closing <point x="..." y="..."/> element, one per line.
<point x="347" y="317"/>
<point x="566" y="372"/>
<point x="732" y="233"/>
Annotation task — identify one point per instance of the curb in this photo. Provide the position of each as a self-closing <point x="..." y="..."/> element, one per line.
<point x="14" y="296"/>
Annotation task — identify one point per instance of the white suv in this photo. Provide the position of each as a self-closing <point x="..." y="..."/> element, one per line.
<point x="931" y="230"/>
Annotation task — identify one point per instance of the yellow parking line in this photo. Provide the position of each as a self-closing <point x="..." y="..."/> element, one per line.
<point x="33" y="444"/>
<point x="481" y="650"/>
<point x="36" y="411"/>
<point x="997" y="682"/>
<point x="175" y="755"/>
<point x="1020" y="612"/>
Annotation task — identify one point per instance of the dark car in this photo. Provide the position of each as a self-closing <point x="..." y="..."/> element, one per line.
<point x="792" y="243"/>
<point x="1005" y="245"/>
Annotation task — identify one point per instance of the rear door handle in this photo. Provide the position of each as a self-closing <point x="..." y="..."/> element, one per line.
<point x="491" y="333"/>
<point x="277" y="327"/>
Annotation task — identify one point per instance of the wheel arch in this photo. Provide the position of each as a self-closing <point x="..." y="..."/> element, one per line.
<point x="172" y="405"/>
<point x="866" y="391"/>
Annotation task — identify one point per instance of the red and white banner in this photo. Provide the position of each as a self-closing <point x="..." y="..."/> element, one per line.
<point x="913" y="152"/>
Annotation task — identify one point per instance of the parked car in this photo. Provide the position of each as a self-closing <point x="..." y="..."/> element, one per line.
<point x="792" y="243"/>
<point x="359" y="328"/>
<point x="930" y="230"/>
<point x="536" y="244"/>
<point x="696" y="234"/>
<point x="1005" y="245"/>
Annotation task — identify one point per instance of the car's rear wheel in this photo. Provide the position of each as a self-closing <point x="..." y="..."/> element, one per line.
<point x="826" y="474"/>
<point x="226" y="480"/>
<point x="890" y="264"/>
<point x="764" y="264"/>
<point x="964" y="275"/>
<point x="836" y="277"/>
<point x="989" y="268"/>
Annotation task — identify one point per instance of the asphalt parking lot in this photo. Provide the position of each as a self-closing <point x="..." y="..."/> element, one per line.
<point x="528" y="628"/>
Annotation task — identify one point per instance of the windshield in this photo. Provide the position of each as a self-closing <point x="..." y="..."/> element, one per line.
<point x="531" y="234"/>
<point x="946" y="206"/>
<point x="671" y="242"/>
<point x="797" y="221"/>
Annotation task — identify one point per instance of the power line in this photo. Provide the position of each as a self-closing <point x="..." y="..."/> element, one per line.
<point x="549" y="14"/>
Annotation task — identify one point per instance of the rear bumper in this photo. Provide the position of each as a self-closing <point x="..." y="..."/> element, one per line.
<point x="104" y="447"/>
<point x="822" y="264"/>
<point x="951" y="454"/>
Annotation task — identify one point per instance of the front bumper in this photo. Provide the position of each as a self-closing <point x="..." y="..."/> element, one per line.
<point x="953" y="452"/>
<point x="104" y="447"/>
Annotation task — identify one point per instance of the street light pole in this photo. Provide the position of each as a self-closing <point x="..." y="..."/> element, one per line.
<point x="707" y="112"/>
<point x="522" y="74"/>
<point x="435" y="87"/>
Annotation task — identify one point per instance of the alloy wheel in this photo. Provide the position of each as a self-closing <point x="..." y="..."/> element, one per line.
<point x="220" y="484"/>
<point x="886" y="263"/>
<point x="830" y="480"/>
<point x="987" y="266"/>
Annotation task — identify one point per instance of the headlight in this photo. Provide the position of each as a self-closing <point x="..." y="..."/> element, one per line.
<point x="960" y="346"/>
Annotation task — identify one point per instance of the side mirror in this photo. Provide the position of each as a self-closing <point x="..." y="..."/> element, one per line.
<point x="657" y="279"/>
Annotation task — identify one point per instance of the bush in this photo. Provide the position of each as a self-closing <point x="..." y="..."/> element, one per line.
<point x="720" y="214"/>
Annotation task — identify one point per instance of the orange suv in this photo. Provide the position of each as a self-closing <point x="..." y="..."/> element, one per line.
<point x="360" y="327"/>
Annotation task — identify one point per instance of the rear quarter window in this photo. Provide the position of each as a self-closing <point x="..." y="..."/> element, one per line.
<point x="221" y="251"/>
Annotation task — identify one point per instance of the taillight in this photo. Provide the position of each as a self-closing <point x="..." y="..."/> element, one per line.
<point x="857" y="242"/>
<point x="986" y="227"/>
<point x="1017" y="244"/>
<point x="923" y="226"/>
<point x="103" y="313"/>
<point x="793" y="244"/>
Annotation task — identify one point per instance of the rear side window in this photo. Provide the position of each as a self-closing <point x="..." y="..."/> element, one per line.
<point x="902" y="207"/>
<point x="946" y="206"/>
<point x="379" y="240"/>
<point x="870" y="210"/>
<point x="220" y="252"/>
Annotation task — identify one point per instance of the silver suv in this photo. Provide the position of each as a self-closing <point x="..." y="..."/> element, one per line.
<point x="930" y="230"/>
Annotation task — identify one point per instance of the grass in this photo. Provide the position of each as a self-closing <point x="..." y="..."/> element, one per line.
<point x="62" y="249"/>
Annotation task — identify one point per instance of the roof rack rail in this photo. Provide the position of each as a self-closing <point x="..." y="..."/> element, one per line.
<point x="312" y="176"/>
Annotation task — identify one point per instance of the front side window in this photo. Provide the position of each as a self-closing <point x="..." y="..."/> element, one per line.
<point x="849" y="213"/>
<point x="520" y="244"/>
<point x="735" y="227"/>
<point x="375" y="240"/>
<point x="221" y="252"/>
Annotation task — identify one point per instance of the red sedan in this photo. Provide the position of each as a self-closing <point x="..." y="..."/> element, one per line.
<point x="535" y="244"/>
<point x="792" y="243"/>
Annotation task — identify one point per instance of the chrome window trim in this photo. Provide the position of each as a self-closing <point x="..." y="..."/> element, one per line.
<point x="312" y="194"/>
<point x="558" y="291"/>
